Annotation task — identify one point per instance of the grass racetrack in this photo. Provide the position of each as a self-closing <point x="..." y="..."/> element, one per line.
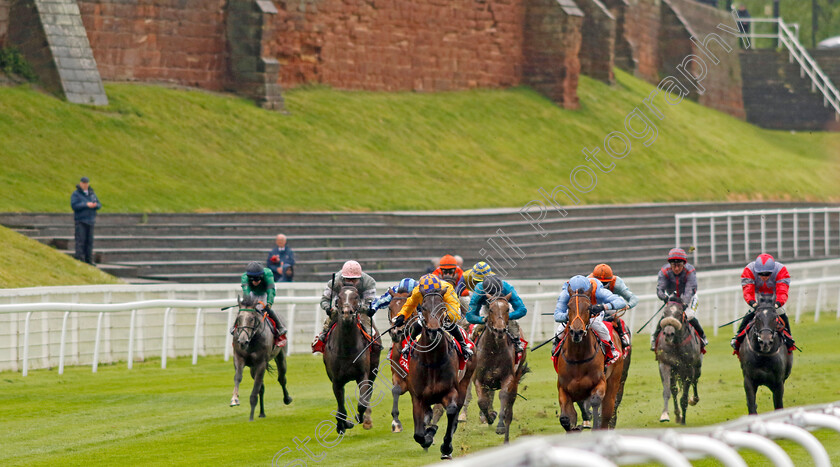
<point x="150" y="416"/>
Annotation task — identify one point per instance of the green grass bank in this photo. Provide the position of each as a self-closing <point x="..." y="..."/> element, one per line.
<point x="164" y="150"/>
<point x="180" y="416"/>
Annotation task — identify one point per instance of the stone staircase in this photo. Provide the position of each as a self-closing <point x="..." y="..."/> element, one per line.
<point x="216" y="247"/>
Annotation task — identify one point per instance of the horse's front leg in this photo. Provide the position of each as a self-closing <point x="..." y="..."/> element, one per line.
<point x="779" y="395"/>
<point x="484" y="401"/>
<point x="342" y="423"/>
<point x="749" y="389"/>
<point x="696" y="378"/>
<point x="257" y="373"/>
<point x="507" y="396"/>
<point x="396" y="392"/>
<point x="419" y="412"/>
<point x="365" y="391"/>
<point x="674" y="394"/>
<point x="584" y="414"/>
<point x="450" y="403"/>
<point x="568" y="415"/>
<point x="462" y="416"/>
<point x="238" y="365"/>
<point x="686" y="388"/>
<point x="665" y="376"/>
<point x="595" y="400"/>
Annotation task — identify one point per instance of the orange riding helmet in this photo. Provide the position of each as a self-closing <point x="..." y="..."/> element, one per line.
<point x="603" y="272"/>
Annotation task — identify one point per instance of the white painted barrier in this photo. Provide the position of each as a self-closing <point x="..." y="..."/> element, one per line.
<point x="673" y="447"/>
<point x="46" y="326"/>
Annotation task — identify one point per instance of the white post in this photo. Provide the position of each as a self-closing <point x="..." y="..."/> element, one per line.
<point x="712" y="238"/>
<point x="779" y="235"/>
<point x="195" y="337"/>
<point x="795" y="234"/>
<point x="694" y="238"/>
<point x="735" y="313"/>
<point x="799" y="299"/>
<point x="763" y="233"/>
<point x="811" y="233"/>
<point x="826" y="233"/>
<point x="819" y="302"/>
<point x="25" y="370"/>
<point x="729" y="237"/>
<point x="96" y="342"/>
<point x="746" y="237"/>
<point x="163" y="352"/>
<point x="716" y="320"/>
<point x="131" y="325"/>
<point x="62" y="342"/>
<point x="676" y="230"/>
<point x="228" y="335"/>
<point x="537" y="317"/>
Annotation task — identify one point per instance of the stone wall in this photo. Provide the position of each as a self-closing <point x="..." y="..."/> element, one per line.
<point x="641" y="29"/>
<point x="723" y="85"/>
<point x="390" y="45"/>
<point x="597" y="49"/>
<point x="4" y="20"/>
<point x="550" y="47"/>
<point x="178" y="41"/>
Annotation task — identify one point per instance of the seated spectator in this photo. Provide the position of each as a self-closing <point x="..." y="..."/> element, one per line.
<point x="281" y="261"/>
<point x="459" y="261"/>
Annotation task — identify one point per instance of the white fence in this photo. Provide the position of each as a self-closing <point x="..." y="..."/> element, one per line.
<point x="780" y="220"/>
<point x="46" y="327"/>
<point x="674" y="447"/>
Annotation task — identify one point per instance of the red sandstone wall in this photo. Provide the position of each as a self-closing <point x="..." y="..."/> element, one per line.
<point x="180" y="41"/>
<point x="4" y="20"/>
<point x="642" y="26"/>
<point x="388" y="45"/>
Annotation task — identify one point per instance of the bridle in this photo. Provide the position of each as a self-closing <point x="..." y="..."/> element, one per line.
<point x="249" y="331"/>
<point x="757" y="332"/>
<point x="505" y="305"/>
<point x="577" y="317"/>
<point x="353" y="310"/>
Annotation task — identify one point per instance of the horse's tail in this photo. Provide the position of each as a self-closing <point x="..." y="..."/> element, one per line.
<point x="269" y="368"/>
<point x="522" y="371"/>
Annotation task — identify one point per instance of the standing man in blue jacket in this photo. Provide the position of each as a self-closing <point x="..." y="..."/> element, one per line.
<point x="85" y="204"/>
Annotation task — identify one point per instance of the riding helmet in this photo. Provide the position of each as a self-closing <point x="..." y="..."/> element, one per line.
<point x="579" y="282"/>
<point x="448" y="262"/>
<point x="351" y="270"/>
<point x="493" y="286"/>
<point x="481" y="270"/>
<point x="677" y="254"/>
<point x="255" y="269"/>
<point x="406" y="285"/>
<point x="430" y="283"/>
<point x="764" y="263"/>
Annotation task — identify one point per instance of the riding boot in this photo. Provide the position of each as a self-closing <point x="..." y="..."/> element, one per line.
<point x="413" y="331"/>
<point x="788" y="340"/>
<point x="696" y="324"/>
<point x="321" y="339"/>
<point x="455" y="332"/>
<point x="654" y="336"/>
<point x="736" y="341"/>
<point x="279" y="329"/>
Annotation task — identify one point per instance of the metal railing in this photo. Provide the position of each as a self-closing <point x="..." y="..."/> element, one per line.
<point x="674" y="447"/>
<point x="746" y="219"/>
<point x="807" y="65"/>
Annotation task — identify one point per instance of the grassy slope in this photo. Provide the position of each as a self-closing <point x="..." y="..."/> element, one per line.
<point x="179" y="416"/>
<point x="27" y="263"/>
<point x="158" y="149"/>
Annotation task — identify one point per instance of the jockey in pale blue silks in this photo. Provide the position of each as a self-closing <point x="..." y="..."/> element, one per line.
<point x="405" y="286"/>
<point x="603" y="301"/>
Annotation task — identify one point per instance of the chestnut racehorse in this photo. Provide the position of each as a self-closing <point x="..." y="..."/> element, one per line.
<point x="580" y="368"/>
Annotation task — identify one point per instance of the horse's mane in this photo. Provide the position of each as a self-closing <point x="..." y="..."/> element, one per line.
<point x="248" y="302"/>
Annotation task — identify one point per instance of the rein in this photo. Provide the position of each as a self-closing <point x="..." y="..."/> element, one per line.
<point x="250" y="331"/>
<point x="507" y="305"/>
<point x="577" y="317"/>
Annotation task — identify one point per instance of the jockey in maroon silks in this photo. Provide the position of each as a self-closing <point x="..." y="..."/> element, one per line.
<point x="679" y="278"/>
<point x="764" y="276"/>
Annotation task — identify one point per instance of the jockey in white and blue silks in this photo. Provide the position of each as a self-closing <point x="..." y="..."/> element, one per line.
<point x="603" y="302"/>
<point x="405" y="286"/>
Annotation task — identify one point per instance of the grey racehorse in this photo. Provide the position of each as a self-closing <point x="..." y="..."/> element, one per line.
<point x="680" y="359"/>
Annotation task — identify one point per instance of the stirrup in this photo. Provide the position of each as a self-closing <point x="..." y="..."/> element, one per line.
<point x="318" y="345"/>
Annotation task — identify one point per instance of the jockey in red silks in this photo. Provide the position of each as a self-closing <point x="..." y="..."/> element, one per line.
<point x="764" y="276"/>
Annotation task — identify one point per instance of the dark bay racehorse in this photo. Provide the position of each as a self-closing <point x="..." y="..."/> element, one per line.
<point x="345" y="342"/>
<point x="680" y="359"/>
<point x="398" y="374"/>
<point x="581" y="376"/>
<point x="765" y="360"/>
<point x="496" y="367"/>
<point x="253" y="346"/>
<point x="433" y="375"/>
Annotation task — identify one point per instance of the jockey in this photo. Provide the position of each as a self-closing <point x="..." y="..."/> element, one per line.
<point x="452" y="273"/>
<point x="603" y="302"/>
<point x="351" y="275"/>
<point x="431" y="283"/>
<point x="258" y="283"/>
<point x="406" y="285"/>
<point x="604" y="273"/>
<point x="764" y="276"/>
<point x="474" y="276"/>
<point x="681" y="278"/>
<point x="496" y="287"/>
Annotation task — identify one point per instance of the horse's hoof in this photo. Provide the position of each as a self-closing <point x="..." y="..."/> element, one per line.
<point x="462" y="417"/>
<point x="586" y="425"/>
<point x="262" y="415"/>
<point x="446" y="457"/>
<point x="500" y="430"/>
<point x="396" y="427"/>
<point x="287" y="400"/>
<point x="481" y="418"/>
<point x="566" y="423"/>
<point x="664" y="417"/>
<point x="491" y="418"/>
<point x="234" y="402"/>
<point x="367" y="425"/>
<point x="693" y="401"/>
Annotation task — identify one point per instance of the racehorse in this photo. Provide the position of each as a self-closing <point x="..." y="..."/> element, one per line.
<point x="581" y="376"/>
<point x="253" y="346"/>
<point x="680" y="359"/>
<point x="496" y="366"/>
<point x="433" y="375"/>
<point x="345" y="342"/>
<point x="398" y="374"/>
<point x="765" y="360"/>
<point x="628" y="353"/>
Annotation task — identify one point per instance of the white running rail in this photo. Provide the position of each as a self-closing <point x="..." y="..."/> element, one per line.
<point x="674" y="447"/>
<point x="790" y="40"/>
